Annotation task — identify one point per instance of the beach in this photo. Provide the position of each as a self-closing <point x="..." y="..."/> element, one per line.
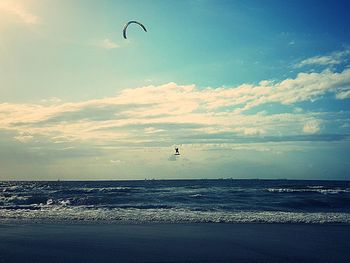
<point x="175" y="221"/>
<point x="23" y="241"/>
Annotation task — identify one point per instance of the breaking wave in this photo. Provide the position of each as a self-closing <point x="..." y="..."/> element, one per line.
<point x="163" y="215"/>
<point x="219" y="201"/>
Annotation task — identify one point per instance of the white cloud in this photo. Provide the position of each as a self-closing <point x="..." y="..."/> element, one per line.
<point x="265" y="83"/>
<point x="115" y="162"/>
<point x="251" y="131"/>
<point x="51" y="100"/>
<point x="312" y="127"/>
<point x="18" y="11"/>
<point x="320" y="60"/>
<point x="334" y="58"/>
<point x="344" y="94"/>
<point x="169" y="112"/>
<point x="298" y="110"/>
<point x="23" y="138"/>
<point x="107" y="44"/>
<point x="152" y="130"/>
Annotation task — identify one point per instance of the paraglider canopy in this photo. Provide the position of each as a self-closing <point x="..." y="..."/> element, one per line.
<point x="132" y="22"/>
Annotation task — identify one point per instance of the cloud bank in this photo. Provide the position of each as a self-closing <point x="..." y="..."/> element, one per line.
<point x="173" y="113"/>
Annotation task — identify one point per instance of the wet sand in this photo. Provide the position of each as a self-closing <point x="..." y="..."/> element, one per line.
<point x="59" y="242"/>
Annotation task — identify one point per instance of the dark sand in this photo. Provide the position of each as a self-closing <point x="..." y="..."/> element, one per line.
<point x="48" y="242"/>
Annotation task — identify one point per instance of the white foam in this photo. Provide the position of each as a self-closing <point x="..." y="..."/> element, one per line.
<point x="68" y="213"/>
<point x="197" y="195"/>
<point x="65" y="202"/>
<point x="315" y="186"/>
<point x="316" y="190"/>
<point x="13" y="198"/>
<point x="12" y="188"/>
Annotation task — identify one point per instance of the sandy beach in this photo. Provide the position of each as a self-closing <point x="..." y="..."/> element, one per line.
<point x="60" y="242"/>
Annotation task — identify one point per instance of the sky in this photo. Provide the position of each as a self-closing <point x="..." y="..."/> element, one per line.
<point x="245" y="89"/>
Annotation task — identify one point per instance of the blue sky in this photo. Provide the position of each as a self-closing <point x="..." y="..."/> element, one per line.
<point x="246" y="89"/>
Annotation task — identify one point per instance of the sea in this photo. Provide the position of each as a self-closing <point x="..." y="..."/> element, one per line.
<point x="178" y="201"/>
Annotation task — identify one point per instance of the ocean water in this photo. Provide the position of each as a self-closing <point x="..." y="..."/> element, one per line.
<point x="172" y="201"/>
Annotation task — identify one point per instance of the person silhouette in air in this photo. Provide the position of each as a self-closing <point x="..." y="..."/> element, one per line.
<point x="177" y="151"/>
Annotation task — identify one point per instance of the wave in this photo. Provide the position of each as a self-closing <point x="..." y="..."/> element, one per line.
<point x="13" y="198"/>
<point x="315" y="186"/>
<point x="317" y="189"/>
<point x="134" y="215"/>
<point x="197" y="196"/>
<point x="223" y="197"/>
<point x="12" y="188"/>
<point x="19" y="207"/>
<point x="93" y="190"/>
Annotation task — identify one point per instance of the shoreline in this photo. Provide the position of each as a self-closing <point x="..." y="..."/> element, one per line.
<point x="45" y="221"/>
<point x="175" y="242"/>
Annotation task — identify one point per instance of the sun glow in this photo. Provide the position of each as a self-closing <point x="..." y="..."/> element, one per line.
<point x="16" y="11"/>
